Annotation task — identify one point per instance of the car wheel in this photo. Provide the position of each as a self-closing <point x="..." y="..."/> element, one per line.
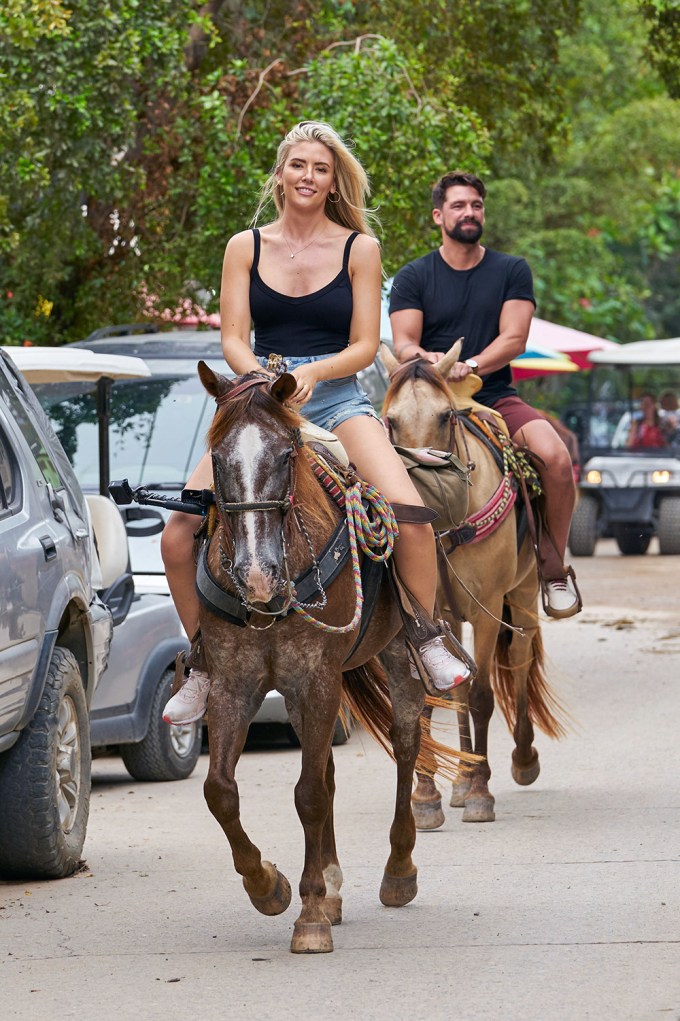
<point x="583" y="531"/>
<point x="45" y="781"/>
<point x="166" y="753"/>
<point x="668" y="529"/>
<point x="633" y="540"/>
<point x="341" y="733"/>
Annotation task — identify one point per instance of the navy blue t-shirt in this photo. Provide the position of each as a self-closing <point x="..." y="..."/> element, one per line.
<point x="464" y="303"/>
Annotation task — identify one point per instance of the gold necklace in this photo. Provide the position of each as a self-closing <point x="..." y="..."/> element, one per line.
<point x="292" y="253"/>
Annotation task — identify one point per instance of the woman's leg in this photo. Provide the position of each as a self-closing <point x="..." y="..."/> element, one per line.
<point x="177" y="543"/>
<point x="376" y="460"/>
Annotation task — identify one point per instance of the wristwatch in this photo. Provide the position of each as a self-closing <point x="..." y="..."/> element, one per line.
<point x="474" y="365"/>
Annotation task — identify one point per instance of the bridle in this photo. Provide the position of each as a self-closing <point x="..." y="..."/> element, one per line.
<point x="283" y="505"/>
<point x="226" y="508"/>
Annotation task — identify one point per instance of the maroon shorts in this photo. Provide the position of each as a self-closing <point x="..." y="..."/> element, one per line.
<point x="516" y="413"/>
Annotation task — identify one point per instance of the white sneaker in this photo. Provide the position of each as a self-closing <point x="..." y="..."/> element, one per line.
<point x="444" y="669"/>
<point x="561" y="598"/>
<point x="191" y="700"/>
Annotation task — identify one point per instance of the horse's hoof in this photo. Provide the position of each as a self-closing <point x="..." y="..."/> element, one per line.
<point x="311" y="938"/>
<point x="428" y="815"/>
<point x="395" y="891"/>
<point x="459" y="792"/>
<point x="276" y="902"/>
<point x="479" y="808"/>
<point x="525" y="775"/>
<point x="332" y="909"/>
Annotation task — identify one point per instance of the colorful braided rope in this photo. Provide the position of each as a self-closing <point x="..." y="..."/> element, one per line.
<point x="375" y="535"/>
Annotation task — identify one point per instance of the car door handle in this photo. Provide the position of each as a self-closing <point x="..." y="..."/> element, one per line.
<point x="49" y="547"/>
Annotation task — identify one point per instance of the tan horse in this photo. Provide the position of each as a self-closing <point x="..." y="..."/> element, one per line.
<point x="273" y="523"/>
<point x="491" y="580"/>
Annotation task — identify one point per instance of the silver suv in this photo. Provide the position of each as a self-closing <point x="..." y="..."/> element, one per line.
<point x="55" y="634"/>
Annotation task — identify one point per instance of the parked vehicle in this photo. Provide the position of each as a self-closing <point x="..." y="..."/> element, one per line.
<point x="55" y="633"/>
<point x="157" y="429"/>
<point x="630" y="480"/>
<point x="125" y="710"/>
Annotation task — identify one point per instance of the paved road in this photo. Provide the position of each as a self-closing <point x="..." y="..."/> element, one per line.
<point x="565" y="908"/>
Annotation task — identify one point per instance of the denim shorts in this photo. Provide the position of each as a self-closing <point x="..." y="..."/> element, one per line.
<point x="333" y="401"/>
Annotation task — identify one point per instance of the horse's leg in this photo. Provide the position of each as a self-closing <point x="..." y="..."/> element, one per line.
<point x="479" y="802"/>
<point x="521" y="657"/>
<point x="460" y="788"/>
<point x="426" y="800"/>
<point x="332" y="873"/>
<point x="399" y="884"/>
<point x="319" y="711"/>
<point x="267" y="888"/>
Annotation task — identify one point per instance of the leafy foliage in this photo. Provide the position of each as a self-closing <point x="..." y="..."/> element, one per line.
<point x="134" y="139"/>
<point x="663" y="18"/>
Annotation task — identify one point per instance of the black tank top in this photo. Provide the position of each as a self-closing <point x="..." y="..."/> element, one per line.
<point x="312" y="324"/>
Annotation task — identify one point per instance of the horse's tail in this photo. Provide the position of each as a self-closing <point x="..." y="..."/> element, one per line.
<point x="366" y="696"/>
<point x="544" y="708"/>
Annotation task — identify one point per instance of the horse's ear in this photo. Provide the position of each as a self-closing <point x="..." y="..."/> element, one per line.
<point x="283" y="387"/>
<point x="444" y="366"/>
<point x="388" y="359"/>
<point x="215" y="384"/>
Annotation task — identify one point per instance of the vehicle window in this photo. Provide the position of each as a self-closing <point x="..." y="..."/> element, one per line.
<point x="31" y="435"/>
<point x="615" y="418"/>
<point x="8" y="476"/>
<point x="157" y="428"/>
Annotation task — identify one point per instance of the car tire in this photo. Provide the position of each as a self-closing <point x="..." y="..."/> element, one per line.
<point x="633" y="540"/>
<point x="341" y="732"/>
<point x="166" y="753"/>
<point x="668" y="529"/>
<point x="45" y="781"/>
<point x="583" y="531"/>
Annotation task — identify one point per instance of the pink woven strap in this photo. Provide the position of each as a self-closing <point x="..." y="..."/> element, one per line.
<point x="494" y="511"/>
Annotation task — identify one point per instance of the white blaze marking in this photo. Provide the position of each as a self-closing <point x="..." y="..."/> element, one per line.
<point x="249" y="451"/>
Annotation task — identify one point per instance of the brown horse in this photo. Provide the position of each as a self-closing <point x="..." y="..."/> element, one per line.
<point x="490" y="580"/>
<point x="273" y="522"/>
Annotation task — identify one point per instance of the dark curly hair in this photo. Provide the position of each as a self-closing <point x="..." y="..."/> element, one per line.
<point x="455" y="177"/>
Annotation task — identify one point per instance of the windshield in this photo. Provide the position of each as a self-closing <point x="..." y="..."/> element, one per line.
<point x="630" y="408"/>
<point x="157" y="428"/>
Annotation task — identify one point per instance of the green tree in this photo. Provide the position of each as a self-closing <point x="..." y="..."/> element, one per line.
<point x="663" y="21"/>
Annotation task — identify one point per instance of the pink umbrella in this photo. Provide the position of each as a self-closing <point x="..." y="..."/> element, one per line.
<point x="564" y="340"/>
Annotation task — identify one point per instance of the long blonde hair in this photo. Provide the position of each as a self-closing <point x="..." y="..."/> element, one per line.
<point x="348" y="206"/>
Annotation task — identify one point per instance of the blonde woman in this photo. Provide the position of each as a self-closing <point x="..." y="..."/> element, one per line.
<point x="310" y="282"/>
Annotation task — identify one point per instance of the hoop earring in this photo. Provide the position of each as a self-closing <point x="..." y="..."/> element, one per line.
<point x="336" y="200"/>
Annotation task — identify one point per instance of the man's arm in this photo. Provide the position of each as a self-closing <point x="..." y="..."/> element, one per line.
<point x="514" y="324"/>
<point x="407" y="332"/>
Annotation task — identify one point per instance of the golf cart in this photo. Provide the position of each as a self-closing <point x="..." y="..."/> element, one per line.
<point x="630" y="480"/>
<point x="125" y="712"/>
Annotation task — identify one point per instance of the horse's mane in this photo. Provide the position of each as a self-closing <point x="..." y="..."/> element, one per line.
<point x="257" y="404"/>
<point x="410" y="371"/>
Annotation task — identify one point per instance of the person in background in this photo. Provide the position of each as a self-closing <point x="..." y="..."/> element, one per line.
<point x="646" y="431"/>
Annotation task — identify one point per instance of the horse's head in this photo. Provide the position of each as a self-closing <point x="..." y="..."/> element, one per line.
<point x="254" y="444"/>
<point x="420" y="399"/>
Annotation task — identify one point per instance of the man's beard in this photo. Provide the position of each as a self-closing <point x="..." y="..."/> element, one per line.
<point x="466" y="233"/>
